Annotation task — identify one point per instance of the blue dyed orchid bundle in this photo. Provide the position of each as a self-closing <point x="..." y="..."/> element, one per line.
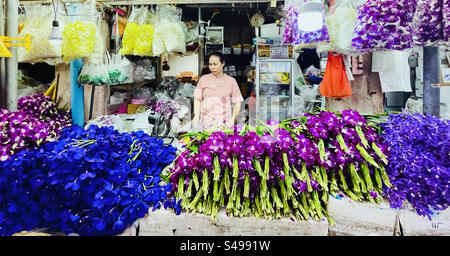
<point x="419" y="164"/>
<point x="282" y="170"/>
<point x="91" y="182"/>
<point x="37" y="121"/>
<point x="384" y="25"/>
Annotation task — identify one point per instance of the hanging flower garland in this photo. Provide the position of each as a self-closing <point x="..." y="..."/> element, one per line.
<point x="384" y="25"/>
<point x="428" y="22"/>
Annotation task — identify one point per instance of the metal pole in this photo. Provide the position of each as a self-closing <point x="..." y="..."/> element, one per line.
<point x="12" y="30"/>
<point x="201" y="55"/>
<point x="76" y="93"/>
<point x="2" y="60"/>
<point x="431" y="94"/>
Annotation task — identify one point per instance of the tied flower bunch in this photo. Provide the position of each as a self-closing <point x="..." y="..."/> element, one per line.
<point x="82" y="184"/>
<point x="167" y="108"/>
<point x="246" y="171"/>
<point x="282" y="170"/>
<point x="343" y="146"/>
<point x="419" y="165"/>
<point x="37" y="121"/>
<point x="384" y="25"/>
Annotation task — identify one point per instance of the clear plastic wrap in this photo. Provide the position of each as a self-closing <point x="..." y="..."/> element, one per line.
<point x="108" y="120"/>
<point x="79" y="34"/>
<point x="384" y="25"/>
<point x="38" y="23"/>
<point x="96" y="56"/>
<point x="94" y="74"/>
<point x="131" y="32"/>
<point x="300" y="30"/>
<point x="341" y="23"/>
<point x="428" y="23"/>
<point x="120" y="69"/>
<point x="138" y="34"/>
<point x="186" y="90"/>
<point x="169" y="35"/>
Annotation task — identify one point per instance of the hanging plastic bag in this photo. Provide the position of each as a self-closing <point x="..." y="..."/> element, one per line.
<point x="308" y="24"/>
<point x="94" y="74"/>
<point x="38" y="23"/>
<point x="138" y="34"/>
<point x="79" y="34"/>
<point x="169" y="35"/>
<point x="144" y="40"/>
<point x="119" y="69"/>
<point x="428" y="23"/>
<point x="131" y="32"/>
<point x="384" y="25"/>
<point x="335" y="83"/>
<point x="341" y="23"/>
<point x="99" y="50"/>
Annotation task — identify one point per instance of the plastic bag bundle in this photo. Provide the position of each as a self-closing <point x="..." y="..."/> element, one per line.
<point x="119" y="69"/>
<point x="169" y="35"/>
<point x="341" y="23"/>
<point x="144" y="40"/>
<point x="38" y="23"/>
<point x="306" y="26"/>
<point x="99" y="49"/>
<point x="138" y="34"/>
<point x="94" y="74"/>
<point x="142" y="70"/>
<point x="190" y="34"/>
<point x="78" y="40"/>
<point x="384" y="25"/>
<point x="130" y="33"/>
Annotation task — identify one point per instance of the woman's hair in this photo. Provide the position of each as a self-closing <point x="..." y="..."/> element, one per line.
<point x="219" y="55"/>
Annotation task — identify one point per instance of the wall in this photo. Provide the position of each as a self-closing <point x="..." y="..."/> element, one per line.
<point x="180" y="64"/>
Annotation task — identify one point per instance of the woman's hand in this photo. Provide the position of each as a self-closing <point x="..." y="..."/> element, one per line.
<point x="230" y="123"/>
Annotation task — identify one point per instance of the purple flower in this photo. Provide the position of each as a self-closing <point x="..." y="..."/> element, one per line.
<point x="419" y="163"/>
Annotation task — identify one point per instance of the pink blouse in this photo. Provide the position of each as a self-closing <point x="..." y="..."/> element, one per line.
<point x="216" y="96"/>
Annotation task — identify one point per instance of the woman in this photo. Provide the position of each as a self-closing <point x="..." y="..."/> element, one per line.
<point x="214" y="95"/>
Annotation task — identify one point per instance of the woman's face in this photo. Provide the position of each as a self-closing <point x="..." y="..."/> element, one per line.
<point x="215" y="65"/>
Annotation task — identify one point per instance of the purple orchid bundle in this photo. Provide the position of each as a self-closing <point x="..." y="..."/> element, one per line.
<point x="247" y="173"/>
<point x="294" y="31"/>
<point x="384" y="25"/>
<point x="345" y="147"/>
<point x="282" y="170"/>
<point x="36" y="122"/>
<point x="428" y="22"/>
<point x="446" y="20"/>
<point x="419" y="164"/>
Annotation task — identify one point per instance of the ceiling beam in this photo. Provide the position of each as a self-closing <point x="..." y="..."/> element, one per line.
<point x="147" y="2"/>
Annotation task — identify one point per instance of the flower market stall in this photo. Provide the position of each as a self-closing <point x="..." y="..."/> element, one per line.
<point x="137" y="166"/>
